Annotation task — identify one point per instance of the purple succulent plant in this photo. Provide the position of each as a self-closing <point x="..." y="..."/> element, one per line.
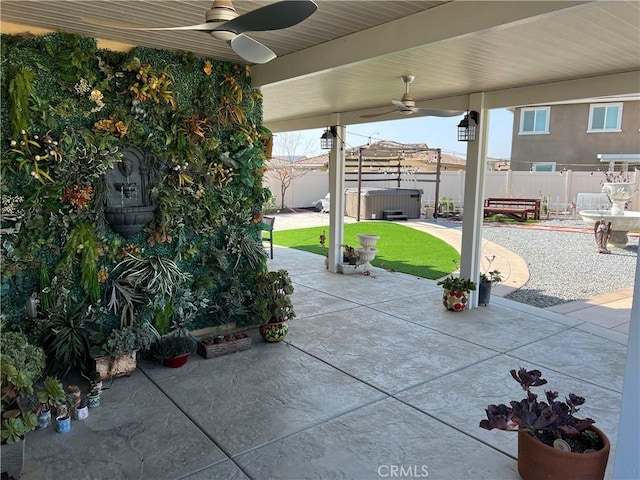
<point x="538" y="417"/>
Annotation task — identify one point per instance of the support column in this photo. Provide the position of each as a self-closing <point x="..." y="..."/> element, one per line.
<point x="627" y="461"/>
<point x="336" y="189"/>
<point x="471" y="251"/>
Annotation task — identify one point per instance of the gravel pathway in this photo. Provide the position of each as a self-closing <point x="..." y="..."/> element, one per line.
<point x="564" y="265"/>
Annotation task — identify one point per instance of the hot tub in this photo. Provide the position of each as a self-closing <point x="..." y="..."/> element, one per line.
<point x="374" y="201"/>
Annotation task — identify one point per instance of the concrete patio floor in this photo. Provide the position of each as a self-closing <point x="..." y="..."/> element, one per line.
<point x="375" y="379"/>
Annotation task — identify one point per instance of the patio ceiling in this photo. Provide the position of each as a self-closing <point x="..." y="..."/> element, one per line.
<point x="348" y="57"/>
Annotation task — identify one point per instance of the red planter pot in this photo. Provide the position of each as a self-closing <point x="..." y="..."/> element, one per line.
<point x="539" y="461"/>
<point x="176" y="362"/>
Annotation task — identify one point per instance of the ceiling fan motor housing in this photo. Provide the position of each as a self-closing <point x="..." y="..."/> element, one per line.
<point x="407" y="101"/>
<point x="222" y="11"/>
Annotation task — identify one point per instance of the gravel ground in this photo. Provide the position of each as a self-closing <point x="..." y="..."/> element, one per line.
<point x="564" y="266"/>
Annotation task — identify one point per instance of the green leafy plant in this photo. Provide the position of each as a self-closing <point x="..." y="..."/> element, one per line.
<point x="271" y="297"/>
<point x="20" y="88"/>
<point x="457" y="284"/>
<point x="491" y="276"/>
<point x="67" y="340"/>
<point x="83" y="241"/>
<point x="21" y="364"/>
<point x="50" y="394"/>
<point x="157" y="276"/>
<point x="16" y="424"/>
<point x="125" y="341"/>
<point x="173" y="346"/>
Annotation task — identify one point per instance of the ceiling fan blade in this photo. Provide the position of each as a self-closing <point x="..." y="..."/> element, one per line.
<point x="398" y="103"/>
<point x="251" y="50"/>
<point x="276" y="16"/>
<point x="437" y="113"/>
<point x="373" y="115"/>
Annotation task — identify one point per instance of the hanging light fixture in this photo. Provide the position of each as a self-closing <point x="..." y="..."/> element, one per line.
<point x="328" y="138"/>
<point x="468" y="127"/>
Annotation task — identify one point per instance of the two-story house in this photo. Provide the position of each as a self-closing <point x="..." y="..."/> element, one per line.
<point x="570" y="136"/>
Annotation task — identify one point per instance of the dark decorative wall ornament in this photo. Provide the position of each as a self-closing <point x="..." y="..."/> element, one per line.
<point x="129" y="207"/>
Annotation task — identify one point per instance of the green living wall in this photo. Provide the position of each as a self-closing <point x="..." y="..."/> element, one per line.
<point x="67" y="110"/>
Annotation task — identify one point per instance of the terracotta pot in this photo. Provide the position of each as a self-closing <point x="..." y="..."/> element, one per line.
<point x="539" y="461"/>
<point x="176" y="362"/>
<point x="455" y="301"/>
<point x="274" y="332"/>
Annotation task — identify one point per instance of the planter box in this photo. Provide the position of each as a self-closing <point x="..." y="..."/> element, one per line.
<point x="212" y="350"/>
<point x="348" y="269"/>
<point x="108" y="367"/>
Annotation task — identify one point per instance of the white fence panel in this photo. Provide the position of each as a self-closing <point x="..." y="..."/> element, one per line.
<point x="558" y="190"/>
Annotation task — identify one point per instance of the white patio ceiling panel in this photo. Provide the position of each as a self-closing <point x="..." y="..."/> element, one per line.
<point x="349" y="55"/>
<point x="588" y="41"/>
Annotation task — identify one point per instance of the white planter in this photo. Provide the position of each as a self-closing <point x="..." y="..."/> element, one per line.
<point x="366" y="255"/>
<point x="368" y="241"/>
<point x="350" y="269"/>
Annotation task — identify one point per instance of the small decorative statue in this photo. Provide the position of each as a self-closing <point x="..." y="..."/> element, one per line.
<point x="602" y="230"/>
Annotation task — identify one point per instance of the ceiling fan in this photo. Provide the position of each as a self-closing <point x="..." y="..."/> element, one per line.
<point x="224" y="23"/>
<point x="407" y="105"/>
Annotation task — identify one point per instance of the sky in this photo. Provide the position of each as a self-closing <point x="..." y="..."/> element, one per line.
<point x="436" y="132"/>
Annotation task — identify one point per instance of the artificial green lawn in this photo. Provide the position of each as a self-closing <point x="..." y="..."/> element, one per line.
<point x="400" y="248"/>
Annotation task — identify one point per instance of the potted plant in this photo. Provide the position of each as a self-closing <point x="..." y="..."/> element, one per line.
<point x="488" y="279"/>
<point x="552" y="442"/>
<point x="455" y="296"/>
<point x="117" y="356"/>
<point x="50" y="395"/>
<point x="271" y="305"/>
<point x="21" y="364"/>
<point x="173" y="350"/>
<point x="350" y="261"/>
<point x="217" y="345"/>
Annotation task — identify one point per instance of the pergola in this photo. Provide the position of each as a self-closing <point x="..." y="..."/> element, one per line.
<point x="346" y="61"/>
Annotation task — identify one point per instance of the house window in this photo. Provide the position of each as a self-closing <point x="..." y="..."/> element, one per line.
<point x="544" y="167"/>
<point x="605" y="117"/>
<point x="534" y="121"/>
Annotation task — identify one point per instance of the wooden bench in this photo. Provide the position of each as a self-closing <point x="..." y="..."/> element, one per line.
<point x="520" y="209"/>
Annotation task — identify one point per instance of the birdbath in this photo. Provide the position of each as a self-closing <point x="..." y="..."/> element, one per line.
<point x="367" y="253"/>
<point x="622" y="221"/>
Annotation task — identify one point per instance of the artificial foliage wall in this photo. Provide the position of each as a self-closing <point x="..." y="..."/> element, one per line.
<point x="69" y="110"/>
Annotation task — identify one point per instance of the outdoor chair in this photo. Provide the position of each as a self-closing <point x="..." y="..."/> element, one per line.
<point x="267" y="234"/>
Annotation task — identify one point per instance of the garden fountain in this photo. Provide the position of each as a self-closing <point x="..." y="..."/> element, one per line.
<point x="129" y="207"/>
<point x="622" y="221"/>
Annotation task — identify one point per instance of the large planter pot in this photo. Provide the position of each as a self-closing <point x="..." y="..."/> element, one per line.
<point x="176" y="362"/>
<point x="109" y="367"/>
<point x="12" y="458"/>
<point x="274" y="332"/>
<point x="484" y="293"/>
<point x="538" y="461"/>
<point x="455" y="301"/>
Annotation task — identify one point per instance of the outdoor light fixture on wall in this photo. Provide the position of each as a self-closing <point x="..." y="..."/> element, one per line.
<point x="468" y="127"/>
<point x="328" y="138"/>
